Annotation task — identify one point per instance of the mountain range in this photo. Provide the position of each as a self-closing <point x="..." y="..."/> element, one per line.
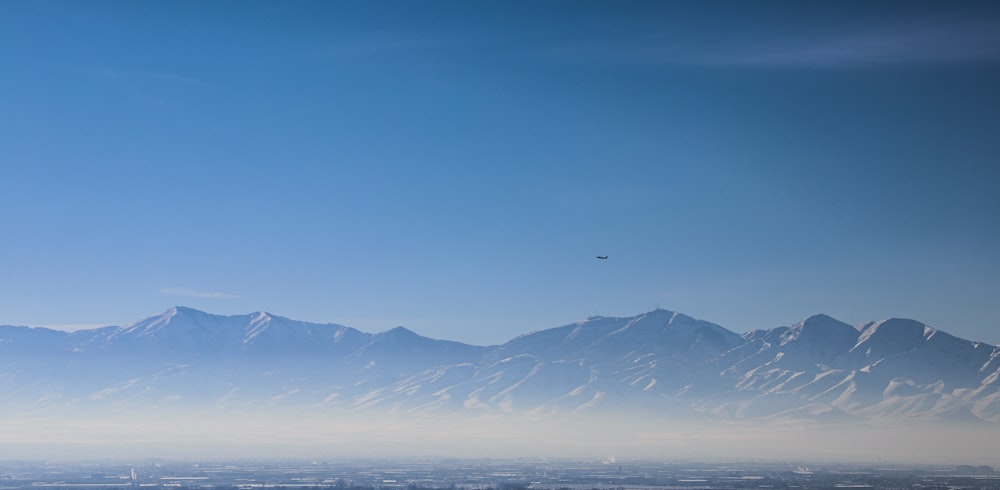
<point x="658" y="363"/>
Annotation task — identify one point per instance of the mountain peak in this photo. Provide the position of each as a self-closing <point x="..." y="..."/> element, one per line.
<point x="819" y="317"/>
<point x="820" y="326"/>
<point x="896" y="326"/>
<point x="399" y="332"/>
<point x="660" y="312"/>
<point x="181" y="316"/>
<point x="892" y="336"/>
<point x="819" y="339"/>
<point x="184" y="310"/>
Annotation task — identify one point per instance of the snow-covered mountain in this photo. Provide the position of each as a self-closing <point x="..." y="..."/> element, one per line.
<point x="660" y="362"/>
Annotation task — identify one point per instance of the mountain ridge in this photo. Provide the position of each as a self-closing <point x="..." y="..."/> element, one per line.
<point x="656" y="362"/>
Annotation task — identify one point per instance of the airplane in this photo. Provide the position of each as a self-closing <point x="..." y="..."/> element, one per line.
<point x="602" y="257"/>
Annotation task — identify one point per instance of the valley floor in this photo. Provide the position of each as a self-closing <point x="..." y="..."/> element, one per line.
<point x="487" y="474"/>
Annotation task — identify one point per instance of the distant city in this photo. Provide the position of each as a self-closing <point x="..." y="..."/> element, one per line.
<point x="483" y="474"/>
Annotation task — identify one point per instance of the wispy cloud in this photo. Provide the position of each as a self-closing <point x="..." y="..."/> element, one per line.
<point x="155" y="88"/>
<point x="382" y="43"/>
<point x="965" y="42"/>
<point x="194" y="293"/>
<point x="150" y="76"/>
<point x="872" y="44"/>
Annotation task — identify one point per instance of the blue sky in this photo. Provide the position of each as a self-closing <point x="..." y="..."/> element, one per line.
<point x="455" y="167"/>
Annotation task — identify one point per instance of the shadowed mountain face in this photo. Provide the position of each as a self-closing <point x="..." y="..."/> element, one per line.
<point x="660" y="362"/>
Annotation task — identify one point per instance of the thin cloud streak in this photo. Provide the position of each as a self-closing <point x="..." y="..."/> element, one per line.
<point x="194" y="293"/>
<point x="158" y="89"/>
<point x="148" y="76"/>
<point x="926" y="42"/>
<point x="956" y="43"/>
<point x="381" y="43"/>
